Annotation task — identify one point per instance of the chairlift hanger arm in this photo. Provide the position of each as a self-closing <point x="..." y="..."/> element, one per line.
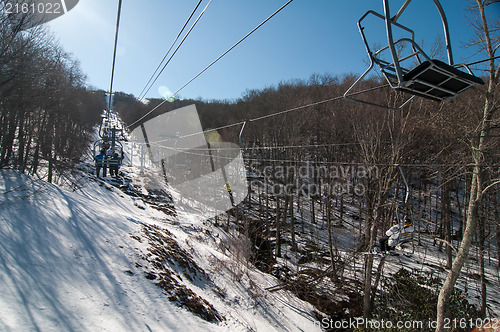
<point x="443" y="19"/>
<point x="371" y="12"/>
<point x="406" y="184"/>
<point x="431" y="79"/>
<point x="348" y="95"/>
<point x="446" y="31"/>
<point x="400" y="11"/>
<point x="240" y="136"/>
<point x="392" y="21"/>
<point x="390" y="40"/>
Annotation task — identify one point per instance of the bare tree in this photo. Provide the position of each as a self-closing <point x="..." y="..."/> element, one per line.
<point x="375" y="132"/>
<point x="46" y="113"/>
<point x="488" y="40"/>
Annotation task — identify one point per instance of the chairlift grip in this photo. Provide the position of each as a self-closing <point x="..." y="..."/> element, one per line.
<point x="240" y="136"/>
<point x="400" y="11"/>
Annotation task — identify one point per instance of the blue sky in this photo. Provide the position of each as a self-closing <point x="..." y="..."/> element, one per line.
<point x="307" y="37"/>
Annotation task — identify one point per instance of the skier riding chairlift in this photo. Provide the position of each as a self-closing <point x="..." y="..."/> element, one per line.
<point x="101" y="163"/>
<point x="114" y="164"/>
<point x="396" y="236"/>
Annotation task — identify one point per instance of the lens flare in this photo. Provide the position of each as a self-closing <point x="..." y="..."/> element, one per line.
<point x="166" y="93"/>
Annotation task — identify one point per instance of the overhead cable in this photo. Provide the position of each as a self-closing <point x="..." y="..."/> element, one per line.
<point x="326" y="145"/>
<point x="317" y="162"/>
<point x="288" y="110"/>
<point x="212" y="63"/>
<point x="114" y="55"/>
<point x="170" y="48"/>
<point x="177" y="48"/>
<point x="481" y="61"/>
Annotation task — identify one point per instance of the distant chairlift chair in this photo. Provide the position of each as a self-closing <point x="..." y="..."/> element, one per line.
<point x="431" y="78"/>
<point x="110" y="133"/>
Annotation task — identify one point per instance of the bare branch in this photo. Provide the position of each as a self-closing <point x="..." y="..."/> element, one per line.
<point x="447" y="243"/>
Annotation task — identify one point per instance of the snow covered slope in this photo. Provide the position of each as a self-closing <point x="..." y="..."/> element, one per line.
<point x="88" y="259"/>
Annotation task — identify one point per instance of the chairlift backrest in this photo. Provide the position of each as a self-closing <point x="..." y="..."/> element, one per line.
<point x="406" y="234"/>
<point x="430" y="78"/>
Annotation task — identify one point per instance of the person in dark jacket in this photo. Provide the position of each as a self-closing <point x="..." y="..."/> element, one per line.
<point x="114" y="164"/>
<point x="100" y="162"/>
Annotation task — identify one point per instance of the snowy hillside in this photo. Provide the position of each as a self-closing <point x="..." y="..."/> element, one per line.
<point x="119" y="256"/>
<point x="94" y="258"/>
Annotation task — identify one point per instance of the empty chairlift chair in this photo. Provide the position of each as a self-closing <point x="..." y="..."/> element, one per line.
<point x="413" y="71"/>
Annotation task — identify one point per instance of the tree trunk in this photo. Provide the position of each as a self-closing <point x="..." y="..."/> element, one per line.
<point x="497" y="223"/>
<point x="8" y="141"/>
<point x="367" y="297"/>
<point x="460" y="214"/>
<point x="446" y="220"/>
<point x="330" y="238"/>
<point x="481" y="240"/>
<point x="313" y="210"/>
<point x="278" y="228"/>
<point x="292" y="224"/>
<point x="463" y="251"/>
<point x="21" y="142"/>
<point x="341" y="209"/>
<point x="289" y="182"/>
<point x="367" y="300"/>
<point x="476" y="189"/>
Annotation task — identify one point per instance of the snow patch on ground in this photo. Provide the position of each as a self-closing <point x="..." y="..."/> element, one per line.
<point x="70" y="260"/>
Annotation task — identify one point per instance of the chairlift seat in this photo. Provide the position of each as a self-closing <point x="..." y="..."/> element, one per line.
<point x="405" y="237"/>
<point x="437" y="80"/>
